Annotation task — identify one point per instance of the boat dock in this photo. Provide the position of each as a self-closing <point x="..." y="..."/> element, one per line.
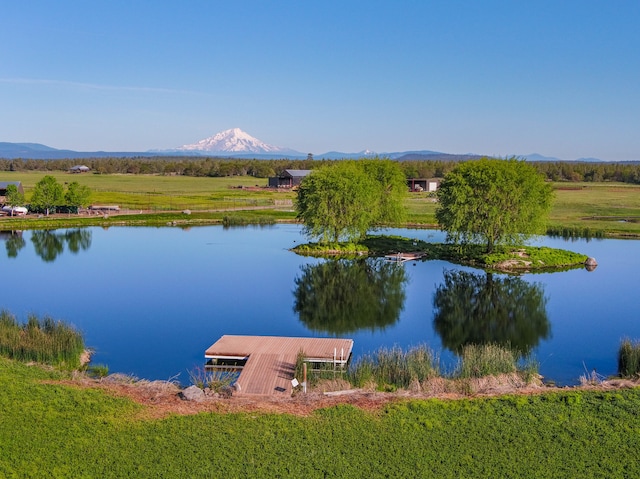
<point x="402" y="257"/>
<point x="267" y="363"/>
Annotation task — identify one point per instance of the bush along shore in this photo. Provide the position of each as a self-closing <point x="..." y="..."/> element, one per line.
<point x="504" y="258"/>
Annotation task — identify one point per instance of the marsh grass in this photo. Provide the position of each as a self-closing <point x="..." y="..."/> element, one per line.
<point x="241" y="220"/>
<point x="571" y="232"/>
<point x="478" y="361"/>
<point x="214" y="379"/>
<point x="98" y="371"/>
<point x="45" y="341"/>
<point x="629" y="358"/>
<point x="393" y="368"/>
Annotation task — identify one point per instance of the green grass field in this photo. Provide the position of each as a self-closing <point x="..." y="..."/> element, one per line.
<point x="53" y="430"/>
<point x="610" y="207"/>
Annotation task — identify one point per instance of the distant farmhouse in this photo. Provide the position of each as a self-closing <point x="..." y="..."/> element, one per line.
<point x="424" y="184"/>
<point x="3" y="188"/>
<point x="79" y="169"/>
<point x="288" y="179"/>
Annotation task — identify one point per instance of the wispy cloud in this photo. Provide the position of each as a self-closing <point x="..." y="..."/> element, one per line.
<point x="95" y="86"/>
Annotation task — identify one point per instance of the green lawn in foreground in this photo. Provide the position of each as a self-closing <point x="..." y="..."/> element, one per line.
<point x="50" y="430"/>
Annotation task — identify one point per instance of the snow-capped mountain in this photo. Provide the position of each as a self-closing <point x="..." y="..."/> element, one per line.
<point x="235" y="141"/>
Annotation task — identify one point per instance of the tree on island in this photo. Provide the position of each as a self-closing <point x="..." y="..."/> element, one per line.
<point x="344" y="200"/>
<point x="493" y="201"/>
<point x="47" y="194"/>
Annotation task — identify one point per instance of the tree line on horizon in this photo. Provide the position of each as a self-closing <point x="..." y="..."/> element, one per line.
<point x="567" y="171"/>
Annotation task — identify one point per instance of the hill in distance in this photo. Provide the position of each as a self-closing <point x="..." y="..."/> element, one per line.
<point x="236" y="143"/>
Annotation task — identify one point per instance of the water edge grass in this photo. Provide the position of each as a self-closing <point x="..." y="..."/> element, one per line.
<point x="394" y="368"/>
<point x="629" y="358"/>
<point x="45" y="341"/>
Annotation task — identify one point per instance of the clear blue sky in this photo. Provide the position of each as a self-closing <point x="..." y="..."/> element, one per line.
<point x="556" y="77"/>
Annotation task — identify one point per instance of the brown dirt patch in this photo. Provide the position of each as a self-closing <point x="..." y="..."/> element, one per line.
<point x="161" y="399"/>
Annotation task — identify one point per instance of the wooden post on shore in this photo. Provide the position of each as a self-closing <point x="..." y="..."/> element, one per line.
<point x="304" y="378"/>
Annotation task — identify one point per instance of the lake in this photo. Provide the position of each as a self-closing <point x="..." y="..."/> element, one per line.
<point x="151" y="300"/>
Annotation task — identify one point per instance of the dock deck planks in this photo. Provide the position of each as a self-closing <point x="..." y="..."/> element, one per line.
<point x="271" y="359"/>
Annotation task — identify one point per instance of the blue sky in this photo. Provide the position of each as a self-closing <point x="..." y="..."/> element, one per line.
<point x="560" y="78"/>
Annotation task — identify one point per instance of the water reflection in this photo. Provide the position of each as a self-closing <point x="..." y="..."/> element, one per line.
<point x="48" y="244"/>
<point x="13" y="241"/>
<point x="344" y="296"/>
<point x="479" y="309"/>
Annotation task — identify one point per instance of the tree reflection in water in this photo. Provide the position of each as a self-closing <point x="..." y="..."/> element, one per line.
<point x="49" y="244"/>
<point x="477" y="309"/>
<point x="344" y="296"/>
<point x="14" y="242"/>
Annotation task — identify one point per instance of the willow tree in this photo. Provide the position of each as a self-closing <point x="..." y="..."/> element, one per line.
<point x="346" y="199"/>
<point x="493" y="202"/>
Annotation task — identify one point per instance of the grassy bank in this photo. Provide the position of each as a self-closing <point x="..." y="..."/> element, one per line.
<point x="45" y="341"/>
<point x="521" y="258"/>
<point x="607" y="209"/>
<point x="52" y="430"/>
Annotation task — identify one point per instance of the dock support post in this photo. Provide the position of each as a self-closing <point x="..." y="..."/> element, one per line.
<point x="304" y="378"/>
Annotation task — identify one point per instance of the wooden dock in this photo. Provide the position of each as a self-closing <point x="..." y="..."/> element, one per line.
<point x="402" y="257"/>
<point x="270" y="360"/>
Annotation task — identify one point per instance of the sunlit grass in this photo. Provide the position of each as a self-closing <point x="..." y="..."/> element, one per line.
<point x="41" y="340"/>
<point x="629" y="358"/>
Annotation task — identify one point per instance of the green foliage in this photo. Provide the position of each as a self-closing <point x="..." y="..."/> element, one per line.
<point x="478" y="361"/>
<point x="392" y="368"/>
<point x="349" y="198"/>
<point x="215" y="379"/>
<point x="13" y="197"/>
<point x="629" y="358"/>
<point x="493" y="202"/>
<point x="243" y="220"/>
<point x="77" y="195"/>
<point x="337" y="202"/>
<point x="98" y="371"/>
<point x="391" y="190"/>
<point x="533" y="257"/>
<point x="570" y="232"/>
<point x="41" y="340"/>
<point x="51" y="430"/>
<point x="47" y="194"/>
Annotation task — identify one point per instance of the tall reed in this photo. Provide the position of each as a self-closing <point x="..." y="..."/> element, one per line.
<point x="629" y="358"/>
<point x="569" y="232"/>
<point x="43" y="340"/>
<point x="395" y="368"/>
<point x="479" y="360"/>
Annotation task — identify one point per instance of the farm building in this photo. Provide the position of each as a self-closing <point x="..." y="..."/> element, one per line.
<point x="79" y="169"/>
<point x="424" y="184"/>
<point x="4" y="184"/>
<point x="288" y="179"/>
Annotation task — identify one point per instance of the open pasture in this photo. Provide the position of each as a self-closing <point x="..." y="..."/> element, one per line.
<point x="164" y="193"/>
<point x="610" y="207"/>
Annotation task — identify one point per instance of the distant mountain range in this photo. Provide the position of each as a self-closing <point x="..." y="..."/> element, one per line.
<point x="235" y="143"/>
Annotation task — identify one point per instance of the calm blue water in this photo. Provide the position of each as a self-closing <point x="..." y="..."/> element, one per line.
<point x="151" y="300"/>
